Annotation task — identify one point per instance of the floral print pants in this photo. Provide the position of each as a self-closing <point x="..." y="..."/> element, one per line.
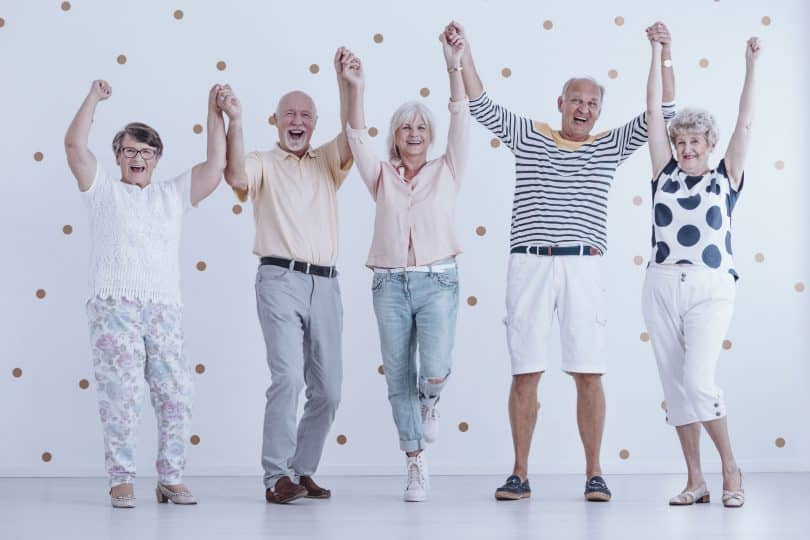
<point x="134" y="343"/>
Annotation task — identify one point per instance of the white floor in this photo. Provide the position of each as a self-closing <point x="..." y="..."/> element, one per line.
<point x="371" y="507"/>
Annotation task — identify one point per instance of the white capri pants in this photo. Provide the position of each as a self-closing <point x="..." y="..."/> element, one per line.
<point x="687" y="310"/>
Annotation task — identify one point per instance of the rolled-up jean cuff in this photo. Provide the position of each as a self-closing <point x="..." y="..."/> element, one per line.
<point x="410" y="446"/>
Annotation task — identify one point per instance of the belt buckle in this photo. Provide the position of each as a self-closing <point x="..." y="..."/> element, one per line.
<point x="306" y="271"/>
<point x="291" y="266"/>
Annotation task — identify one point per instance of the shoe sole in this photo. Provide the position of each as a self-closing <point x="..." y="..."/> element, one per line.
<point x="322" y="496"/>
<point x="597" y="497"/>
<point x="702" y="500"/>
<point x="415" y="499"/>
<point x="285" y="501"/>
<point x="508" y="496"/>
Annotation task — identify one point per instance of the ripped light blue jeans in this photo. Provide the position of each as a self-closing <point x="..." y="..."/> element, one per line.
<point x="415" y="310"/>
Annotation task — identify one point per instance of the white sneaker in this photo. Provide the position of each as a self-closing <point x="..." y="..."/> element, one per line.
<point x="418" y="481"/>
<point x="430" y="421"/>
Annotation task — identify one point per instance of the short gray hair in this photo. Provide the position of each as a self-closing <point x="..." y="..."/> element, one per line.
<point x="141" y="133"/>
<point x="403" y="115"/>
<point x="584" y="78"/>
<point x="693" y="120"/>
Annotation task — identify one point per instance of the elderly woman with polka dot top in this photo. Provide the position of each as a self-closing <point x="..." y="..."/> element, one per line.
<point x="134" y="305"/>
<point x="689" y="290"/>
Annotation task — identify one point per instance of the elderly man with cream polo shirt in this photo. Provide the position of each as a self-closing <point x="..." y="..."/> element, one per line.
<point x="293" y="188"/>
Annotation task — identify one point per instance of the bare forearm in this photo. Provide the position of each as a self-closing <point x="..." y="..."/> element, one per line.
<point x="667" y="74"/>
<point x="472" y="82"/>
<point x="215" y="148"/>
<point x="746" y="112"/>
<point x="357" y="115"/>
<point x="457" y="92"/>
<point x="654" y="98"/>
<point x="235" y="174"/>
<point x="78" y="132"/>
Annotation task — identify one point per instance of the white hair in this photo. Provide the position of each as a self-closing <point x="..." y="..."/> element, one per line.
<point x="404" y="114"/>
<point x="694" y="120"/>
<point x="570" y="81"/>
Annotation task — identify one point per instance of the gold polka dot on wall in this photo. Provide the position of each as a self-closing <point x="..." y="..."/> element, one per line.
<point x="221" y="65"/>
<point x="799" y="287"/>
<point x="619" y="20"/>
<point x="704" y="62"/>
<point x="16" y="373"/>
<point x="779" y="442"/>
<point x="424" y="92"/>
<point x="122" y="59"/>
<point x="84" y="384"/>
<point x="548" y="25"/>
<point x="200" y="369"/>
<point x="644" y="336"/>
<point x="726" y="344"/>
<point x="463" y="427"/>
<point x="378" y="38"/>
<point x="201" y="266"/>
<point x="38" y="156"/>
<point x="197" y="128"/>
<point x="506" y="73"/>
<point x="65" y="6"/>
<point x="178" y="14"/>
<point x="638" y="260"/>
<point x="341" y="439"/>
<point x="47" y="457"/>
<point x="40" y="293"/>
<point x="2" y="22"/>
<point x="495" y="142"/>
<point x="237" y="209"/>
<point x="613" y="73"/>
<point x="472" y="300"/>
<point x="195" y="440"/>
<point x="480" y="230"/>
<point x="381" y="369"/>
<point x="779" y="165"/>
<point x="766" y="21"/>
<point x="624" y="454"/>
<point x="759" y="257"/>
<point x="372" y="131"/>
<point x="637" y="200"/>
<point x="67" y="229"/>
<point x="313" y="68"/>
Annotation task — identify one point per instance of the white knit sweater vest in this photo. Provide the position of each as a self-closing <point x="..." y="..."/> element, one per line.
<point x="136" y="237"/>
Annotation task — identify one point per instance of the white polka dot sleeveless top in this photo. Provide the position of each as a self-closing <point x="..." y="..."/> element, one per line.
<point x="692" y="218"/>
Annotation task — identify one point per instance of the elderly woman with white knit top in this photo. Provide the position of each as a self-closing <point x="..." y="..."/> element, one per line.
<point x="134" y="305"/>
<point x="689" y="290"/>
<point x="415" y="284"/>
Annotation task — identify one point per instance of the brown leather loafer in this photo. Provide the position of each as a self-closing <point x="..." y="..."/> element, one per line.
<point x="285" y="491"/>
<point x="314" y="491"/>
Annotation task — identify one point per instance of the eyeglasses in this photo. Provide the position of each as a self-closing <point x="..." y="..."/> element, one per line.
<point x="146" y="153"/>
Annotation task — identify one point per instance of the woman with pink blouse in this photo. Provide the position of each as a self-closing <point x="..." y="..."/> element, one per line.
<point x="415" y="284"/>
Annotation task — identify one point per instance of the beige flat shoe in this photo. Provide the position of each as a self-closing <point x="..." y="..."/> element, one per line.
<point x="165" y="495"/>
<point x="734" y="499"/>
<point x="688" y="498"/>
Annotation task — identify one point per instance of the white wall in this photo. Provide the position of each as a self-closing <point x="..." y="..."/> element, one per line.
<point x="49" y="56"/>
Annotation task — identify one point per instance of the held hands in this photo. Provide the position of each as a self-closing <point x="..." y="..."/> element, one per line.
<point x="349" y="68"/>
<point x="752" y="49"/>
<point x="226" y="101"/>
<point x="658" y="33"/>
<point x="453" y="45"/>
<point x="100" y="90"/>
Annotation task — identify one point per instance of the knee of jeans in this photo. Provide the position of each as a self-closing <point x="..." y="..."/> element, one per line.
<point x="290" y="380"/>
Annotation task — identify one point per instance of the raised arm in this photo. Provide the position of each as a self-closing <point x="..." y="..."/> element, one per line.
<point x="453" y="47"/>
<point x="660" y="33"/>
<point x="235" y="173"/>
<point x="472" y="82"/>
<point x="80" y="159"/>
<point x="738" y="145"/>
<point x="343" y="143"/>
<point x="205" y="176"/>
<point x="350" y="71"/>
<point x="660" y="149"/>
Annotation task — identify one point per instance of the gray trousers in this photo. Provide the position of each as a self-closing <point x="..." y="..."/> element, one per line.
<point x="302" y="320"/>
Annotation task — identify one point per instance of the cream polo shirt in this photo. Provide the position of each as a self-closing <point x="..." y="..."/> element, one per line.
<point x="295" y="202"/>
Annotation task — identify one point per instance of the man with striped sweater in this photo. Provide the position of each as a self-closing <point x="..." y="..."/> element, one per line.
<point x="558" y="234"/>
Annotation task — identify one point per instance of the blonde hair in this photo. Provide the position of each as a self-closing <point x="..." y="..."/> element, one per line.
<point x="402" y="116"/>
<point x="693" y="120"/>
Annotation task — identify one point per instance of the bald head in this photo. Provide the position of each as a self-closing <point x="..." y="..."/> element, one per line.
<point x="296" y="117"/>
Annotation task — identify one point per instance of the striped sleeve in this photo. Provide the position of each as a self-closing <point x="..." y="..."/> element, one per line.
<point x="507" y="126"/>
<point x="631" y="136"/>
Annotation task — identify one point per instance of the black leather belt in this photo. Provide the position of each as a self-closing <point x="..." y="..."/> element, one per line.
<point x="298" y="266"/>
<point x="556" y="250"/>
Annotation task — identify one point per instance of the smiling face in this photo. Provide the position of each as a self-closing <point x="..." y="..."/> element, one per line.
<point x="136" y="168"/>
<point x="413" y="137"/>
<point x="295" y="120"/>
<point x="580" y="106"/>
<point x="692" y="150"/>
